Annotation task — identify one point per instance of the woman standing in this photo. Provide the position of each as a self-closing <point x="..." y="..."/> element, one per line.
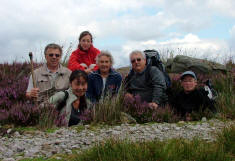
<point x="75" y="98"/>
<point x="84" y="57"/>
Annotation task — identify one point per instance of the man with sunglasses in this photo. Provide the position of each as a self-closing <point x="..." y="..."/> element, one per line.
<point x="50" y="77"/>
<point x="152" y="90"/>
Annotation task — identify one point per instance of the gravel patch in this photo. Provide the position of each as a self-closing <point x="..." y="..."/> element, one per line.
<point x="64" y="140"/>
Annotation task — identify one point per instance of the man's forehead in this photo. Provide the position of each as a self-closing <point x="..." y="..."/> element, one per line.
<point x="53" y="49"/>
<point x="137" y="55"/>
<point x="188" y="77"/>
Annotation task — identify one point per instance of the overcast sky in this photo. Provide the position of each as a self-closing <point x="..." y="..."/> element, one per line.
<point x="200" y="28"/>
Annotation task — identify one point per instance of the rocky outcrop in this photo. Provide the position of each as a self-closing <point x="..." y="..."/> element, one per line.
<point x="182" y="63"/>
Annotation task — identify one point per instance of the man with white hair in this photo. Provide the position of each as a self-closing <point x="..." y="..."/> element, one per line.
<point x="151" y="90"/>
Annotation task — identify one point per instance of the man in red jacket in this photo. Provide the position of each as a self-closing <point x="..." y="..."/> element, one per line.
<point x="84" y="57"/>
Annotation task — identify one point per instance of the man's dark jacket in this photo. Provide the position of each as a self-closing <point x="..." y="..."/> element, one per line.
<point x="193" y="101"/>
<point x="150" y="85"/>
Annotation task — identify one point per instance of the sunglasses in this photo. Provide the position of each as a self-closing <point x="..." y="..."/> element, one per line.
<point x="134" y="60"/>
<point x="56" y="55"/>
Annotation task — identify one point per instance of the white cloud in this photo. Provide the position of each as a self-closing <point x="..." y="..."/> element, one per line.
<point x="225" y="7"/>
<point x="190" y="45"/>
<point x="231" y="43"/>
<point x="30" y="25"/>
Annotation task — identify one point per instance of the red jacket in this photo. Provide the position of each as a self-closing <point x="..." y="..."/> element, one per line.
<point x="78" y="56"/>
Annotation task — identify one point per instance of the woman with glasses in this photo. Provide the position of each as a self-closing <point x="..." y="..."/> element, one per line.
<point x="83" y="58"/>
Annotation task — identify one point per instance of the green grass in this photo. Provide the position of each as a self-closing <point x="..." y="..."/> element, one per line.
<point x="25" y="129"/>
<point x="170" y="150"/>
<point x="31" y="129"/>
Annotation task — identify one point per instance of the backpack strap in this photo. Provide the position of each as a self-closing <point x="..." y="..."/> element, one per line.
<point x="63" y="102"/>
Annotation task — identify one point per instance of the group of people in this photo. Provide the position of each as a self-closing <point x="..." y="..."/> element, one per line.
<point x="90" y="77"/>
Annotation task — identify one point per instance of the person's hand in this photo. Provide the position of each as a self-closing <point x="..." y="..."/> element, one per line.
<point x="34" y="93"/>
<point x="129" y="95"/>
<point x="88" y="70"/>
<point x="188" y="117"/>
<point x="153" y="105"/>
<point x="76" y="104"/>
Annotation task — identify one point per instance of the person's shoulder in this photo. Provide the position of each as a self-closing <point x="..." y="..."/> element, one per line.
<point x="177" y="96"/>
<point x="94" y="75"/>
<point x="40" y="69"/>
<point x="115" y="75"/>
<point x="202" y="92"/>
<point x="93" y="49"/>
<point x="77" y="52"/>
<point x="114" y="72"/>
<point x="56" y="97"/>
<point x="65" y="69"/>
<point x="153" y="69"/>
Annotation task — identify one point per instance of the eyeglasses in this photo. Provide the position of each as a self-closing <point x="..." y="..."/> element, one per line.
<point x="56" y="55"/>
<point x="134" y="60"/>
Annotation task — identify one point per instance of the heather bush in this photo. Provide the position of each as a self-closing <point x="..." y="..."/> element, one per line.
<point x="50" y="117"/>
<point x="143" y="113"/>
<point x="225" y="85"/>
<point x="14" y="107"/>
<point x="28" y="114"/>
<point x="107" y="110"/>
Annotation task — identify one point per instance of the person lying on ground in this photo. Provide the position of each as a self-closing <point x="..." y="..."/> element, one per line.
<point x="74" y="98"/>
<point x="191" y="99"/>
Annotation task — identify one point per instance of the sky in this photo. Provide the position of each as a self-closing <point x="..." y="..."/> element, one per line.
<point x="197" y="28"/>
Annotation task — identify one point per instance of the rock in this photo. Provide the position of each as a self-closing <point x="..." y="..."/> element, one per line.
<point x="9" y="131"/>
<point x="17" y="134"/>
<point x="65" y="140"/>
<point x="8" y="159"/>
<point x="177" y="128"/>
<point x="182" y="63"/>
<point x="18" y="147"/>
<point x="116" y="132"/>
<point x="31" y="152"/>
<point x="204" y="119"/>
<point x="126" y="118"/>
<point x="8" y="153"/>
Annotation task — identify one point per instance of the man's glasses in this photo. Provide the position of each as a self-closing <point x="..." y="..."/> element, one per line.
<point x="134" y="60"/>
<point x="56" y="55"/>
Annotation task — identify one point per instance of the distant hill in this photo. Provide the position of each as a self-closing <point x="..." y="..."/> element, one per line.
<point x="124" y="70"/>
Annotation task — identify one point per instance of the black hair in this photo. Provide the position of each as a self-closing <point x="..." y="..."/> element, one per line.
<point x="77" y="74"/>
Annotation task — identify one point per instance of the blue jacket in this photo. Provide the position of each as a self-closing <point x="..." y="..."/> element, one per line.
<point x="95" y="85"/>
